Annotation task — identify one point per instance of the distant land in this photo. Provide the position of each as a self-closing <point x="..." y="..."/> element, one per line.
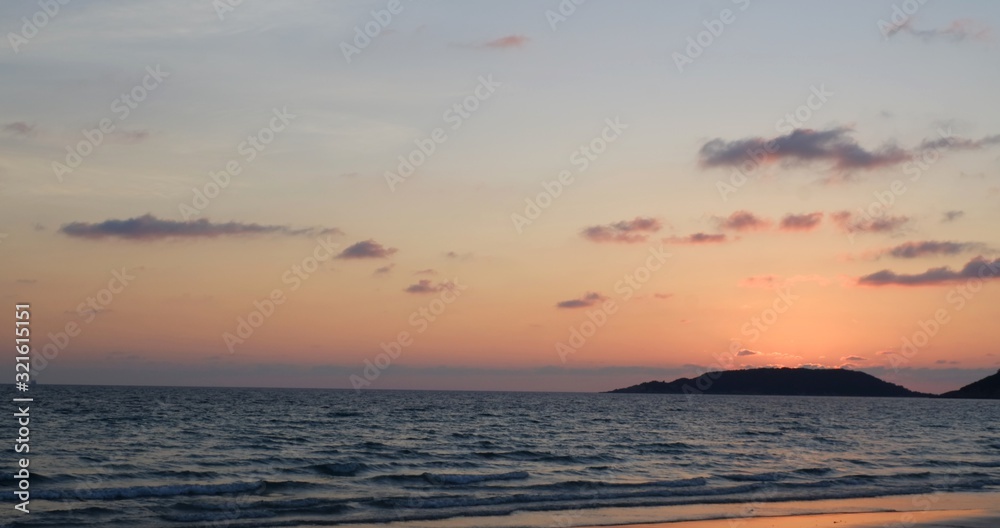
<point x="986" y="388"/>
<point x="786" y="382"/>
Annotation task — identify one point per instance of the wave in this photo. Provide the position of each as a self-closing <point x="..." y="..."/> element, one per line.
<point x="136" y="492"/>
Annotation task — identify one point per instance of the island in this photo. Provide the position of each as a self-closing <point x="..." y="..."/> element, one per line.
<point x="987" y="388"/>
<point x="779" y="382"/>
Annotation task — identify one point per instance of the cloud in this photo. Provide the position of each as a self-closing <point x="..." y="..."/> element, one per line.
<point x="951" y="216"/>
<point x="957" y="31"/>
<point x="428" y="271"/>
<point x="458" y="256"/>
<point x="853" y="358"/>
<point x="743" y="221"/>
<point x="384" y="270"/>
<point x="698" y="238"/>
<point x="20" y="128"/>
<point x="802" y="146"/>
<point x="909" y="250"/>
<point x="946" y="362"/>
<point x="148" y="227"/>
<point x="428" y="286"/>
<point x="848" y="223"/>
<point x="589" y="299"/>
<point x="800" y="222"/>
<point x="745" y="352"/>
<point x="626" y="231"/>
<point x="977" y="268"/>
<point x="510" y="41"/>
<point x="131" y="136"/>
<point x="778" y="281"/>
<point x="834" y="146"/>
<point x="662" y="295"/>
<point x="366" y="249"/>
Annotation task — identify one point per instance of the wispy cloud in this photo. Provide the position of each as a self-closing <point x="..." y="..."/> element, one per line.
<point x="626" y="231"/>
<point x="951" y="216"/>
<point x="777" y="281"/>
<point x="589" y="299"/>
<point x="148" y="227"/>
<point x="850" y="223"/>
<point x="956" y="31"/>
<point x="698" y="238"/>
<point x="366" y="249"/>
<point x="977" y="268"/>
<point x="19" y="128"/>
<point x="510" y="41"/>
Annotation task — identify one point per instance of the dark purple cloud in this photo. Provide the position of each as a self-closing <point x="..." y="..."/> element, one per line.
<point x="626" y="231"/>
<point x="977" y="268"/>
<point x="428" y="286"/>
<point x="800" y="222"/>
<point x="148" y="227"/>
<point x="909" y="250"/>
<point x="834" y="146"/>
<point x="589" y="299"/>
<point x="802" y="146"/>
<point x="366" y="249"/>
<point x="745" y="353"/>
<point x="743" y="221"/>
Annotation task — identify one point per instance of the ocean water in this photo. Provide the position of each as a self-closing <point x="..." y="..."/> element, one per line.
<point x="137" y="456"/>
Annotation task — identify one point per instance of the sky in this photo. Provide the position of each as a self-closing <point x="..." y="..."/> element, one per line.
<point x="500" y="196"/>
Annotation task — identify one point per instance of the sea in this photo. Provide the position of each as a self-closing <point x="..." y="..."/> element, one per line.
<point x="180" y="457"/>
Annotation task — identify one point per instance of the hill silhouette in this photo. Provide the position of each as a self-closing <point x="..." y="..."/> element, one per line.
<point x="778" y="382"/>
<point x="986" y="388"/>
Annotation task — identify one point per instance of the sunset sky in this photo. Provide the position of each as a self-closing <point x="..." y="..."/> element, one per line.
<point x="722" y="199"/>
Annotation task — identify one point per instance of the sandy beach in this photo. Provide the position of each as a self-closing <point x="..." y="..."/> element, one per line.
<point x="940" y="510"/>
<point x="928" y="519"/>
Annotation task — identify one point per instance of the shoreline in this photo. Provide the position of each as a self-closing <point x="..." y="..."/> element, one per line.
<point x="954" y="509"/>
